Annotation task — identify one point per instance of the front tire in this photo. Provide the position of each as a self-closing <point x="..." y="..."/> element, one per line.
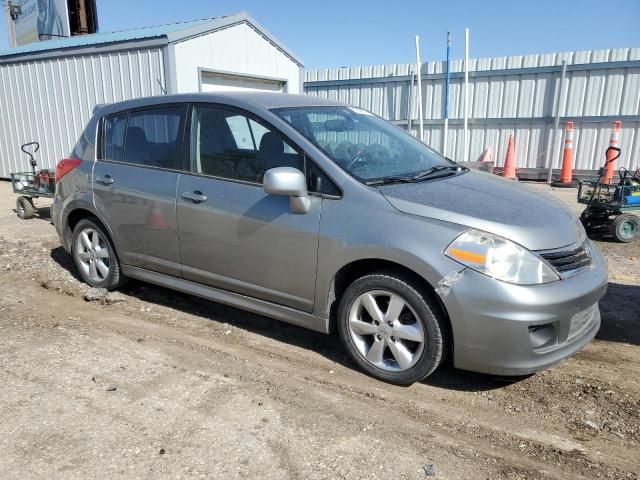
<point x="392" y="328"/>
<point x="94" y="255"/>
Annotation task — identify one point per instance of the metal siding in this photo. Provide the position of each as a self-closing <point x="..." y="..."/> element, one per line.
<point x="51" y="100"/>
<point x="631" y="95"/>
<point x="497" y="99"/>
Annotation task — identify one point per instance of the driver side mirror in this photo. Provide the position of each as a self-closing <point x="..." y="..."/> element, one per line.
<point x="290" y="182"/>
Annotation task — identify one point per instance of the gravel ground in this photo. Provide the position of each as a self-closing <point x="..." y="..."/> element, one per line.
<point x="149" y="383"/>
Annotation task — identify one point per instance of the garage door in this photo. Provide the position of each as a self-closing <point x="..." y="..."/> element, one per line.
<point x="221" y="82"/>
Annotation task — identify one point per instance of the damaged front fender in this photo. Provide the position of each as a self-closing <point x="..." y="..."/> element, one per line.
<point x="448" y="281"/>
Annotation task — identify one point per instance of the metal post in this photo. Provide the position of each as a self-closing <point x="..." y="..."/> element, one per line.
<point x="446" y="98"/>
<point x="419" y="76"/>
<point x="83" y="28"/>
<point x="410" y="102"/>
<point x="551" y="152"/>
<point x="465" y="157"/>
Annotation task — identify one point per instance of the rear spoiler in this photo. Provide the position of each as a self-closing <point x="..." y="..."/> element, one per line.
<point x="98" y="107"/>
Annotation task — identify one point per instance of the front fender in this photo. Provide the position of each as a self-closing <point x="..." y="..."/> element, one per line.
<point x="350" y="233"/>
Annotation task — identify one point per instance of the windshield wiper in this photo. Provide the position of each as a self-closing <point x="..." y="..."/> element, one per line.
<point x="390" y="180"/>
<point x="421" y="176"/>
<point x="437" y="169"/>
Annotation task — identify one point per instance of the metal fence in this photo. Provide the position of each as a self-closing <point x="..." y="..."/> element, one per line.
<point x="51" y="100"/>
<point x="508" y="95"/>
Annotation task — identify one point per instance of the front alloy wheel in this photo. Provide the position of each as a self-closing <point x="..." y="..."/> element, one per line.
<point x="385" y="330"/>
<point x="392" y="327"/>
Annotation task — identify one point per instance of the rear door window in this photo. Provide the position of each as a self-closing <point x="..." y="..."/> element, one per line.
<point x="153" y="138"/>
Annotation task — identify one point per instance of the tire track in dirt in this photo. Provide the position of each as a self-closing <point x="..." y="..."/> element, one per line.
<point x="561" y="449"/>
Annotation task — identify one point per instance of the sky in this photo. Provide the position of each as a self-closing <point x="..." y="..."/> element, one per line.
<point x="335" y="33"/>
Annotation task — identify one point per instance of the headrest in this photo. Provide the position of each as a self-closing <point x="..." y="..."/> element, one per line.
<point x="136" y="135"/>
<point x="271" y="144"/>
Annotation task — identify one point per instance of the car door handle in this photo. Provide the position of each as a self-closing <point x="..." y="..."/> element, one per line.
<point x="195" y="197"/>
<point x="106" y="180"/>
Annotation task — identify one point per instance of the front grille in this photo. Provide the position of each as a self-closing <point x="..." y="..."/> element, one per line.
<point x="567" y="260"/>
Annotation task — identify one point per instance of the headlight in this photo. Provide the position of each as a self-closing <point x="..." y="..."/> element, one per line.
<point x="499" y="258"/>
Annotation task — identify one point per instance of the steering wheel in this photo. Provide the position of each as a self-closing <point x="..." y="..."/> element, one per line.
<point x="357" y="158"/>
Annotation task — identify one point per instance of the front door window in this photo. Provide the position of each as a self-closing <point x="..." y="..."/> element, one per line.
<point x="229" y="145"/>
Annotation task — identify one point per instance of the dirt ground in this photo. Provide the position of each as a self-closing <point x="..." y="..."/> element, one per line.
<point x="149" y="383"/>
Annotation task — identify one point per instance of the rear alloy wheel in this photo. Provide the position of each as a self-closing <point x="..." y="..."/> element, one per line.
<point x="625" y="227"/>
<point x="391" y="328"/>
<point x="95" y="256"/>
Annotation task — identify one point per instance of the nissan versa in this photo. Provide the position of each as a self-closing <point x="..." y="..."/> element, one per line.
<point x="328" y="217"/>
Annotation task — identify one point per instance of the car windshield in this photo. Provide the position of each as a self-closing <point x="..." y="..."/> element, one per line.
<point x="364" y="145"/>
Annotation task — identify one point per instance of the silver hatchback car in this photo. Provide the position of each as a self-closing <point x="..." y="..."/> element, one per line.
<point x="328" y="217"/>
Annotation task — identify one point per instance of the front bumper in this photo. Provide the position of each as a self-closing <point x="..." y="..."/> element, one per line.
<point x="493" y="321"/>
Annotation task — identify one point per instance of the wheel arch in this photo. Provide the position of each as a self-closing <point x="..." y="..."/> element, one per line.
<point x="355" y="269"/>
<point x="77" y="214"/>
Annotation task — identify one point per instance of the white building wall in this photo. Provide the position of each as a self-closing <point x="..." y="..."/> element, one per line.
<point x="237" y="49"/>
<point x="51" y="100"/>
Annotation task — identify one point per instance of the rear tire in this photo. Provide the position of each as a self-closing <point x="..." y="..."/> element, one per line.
<point x="404" y="340"/>
<point x="625" y="227"/>
<point x="94" y="255"/>
<point x="25" y="208"/>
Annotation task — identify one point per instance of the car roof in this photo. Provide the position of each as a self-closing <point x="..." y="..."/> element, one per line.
<point x="251" y="100"/>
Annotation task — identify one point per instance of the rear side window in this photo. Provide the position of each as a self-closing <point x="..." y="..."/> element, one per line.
<point x="83" y="149"/>
<point x="153" y="138"/>
<point x="115" y="128"/>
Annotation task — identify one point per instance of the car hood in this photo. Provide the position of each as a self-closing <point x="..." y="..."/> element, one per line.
<point x="479" y="200"/>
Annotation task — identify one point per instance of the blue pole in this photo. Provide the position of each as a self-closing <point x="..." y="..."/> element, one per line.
<point x="446" y="99"/>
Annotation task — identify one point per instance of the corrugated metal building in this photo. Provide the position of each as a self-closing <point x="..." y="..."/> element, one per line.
<point x="49" y="89"/>
<point x="516" y="95"/>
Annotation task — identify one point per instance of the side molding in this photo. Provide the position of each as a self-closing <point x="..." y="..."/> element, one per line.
<point x="260" y="307"/>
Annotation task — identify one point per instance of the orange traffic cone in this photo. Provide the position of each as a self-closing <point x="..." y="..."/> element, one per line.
<point x="509" y="169"/>
<point x="486" y="155"/>
<point x="566" y="174"/>
<point x="156" y="218"/>
<point x="612" y="154"/>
